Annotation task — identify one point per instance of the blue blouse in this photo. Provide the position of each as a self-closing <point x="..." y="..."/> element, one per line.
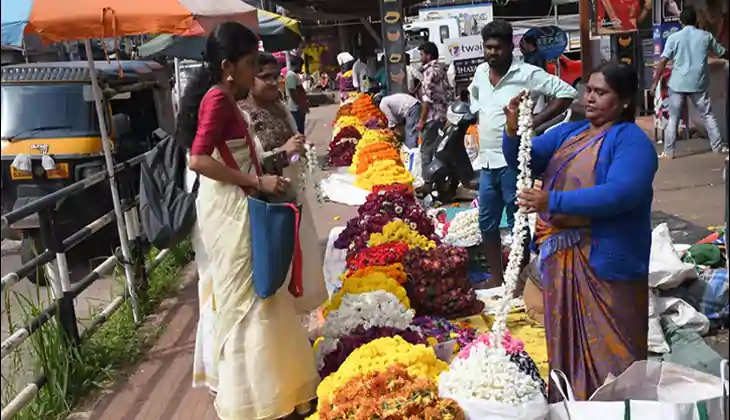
<point x="619" y="204"/>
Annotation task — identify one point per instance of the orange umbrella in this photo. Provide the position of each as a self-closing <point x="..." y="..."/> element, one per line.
<point x="56" y="20"/>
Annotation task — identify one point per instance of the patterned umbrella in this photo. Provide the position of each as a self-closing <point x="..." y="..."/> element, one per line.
<point x="56" y="20"/>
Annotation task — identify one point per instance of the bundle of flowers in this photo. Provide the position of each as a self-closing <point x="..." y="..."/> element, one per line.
<point x="441" y="330"/>
<point x="347" y="121"/>
<point x="364" y="109"/>
<point x="389" y="395"/>
<point x="385" y="254"/>
<point x="377" y="308"/>
<point x="343" y="110"/>
<point x="488" y="374"/>
<point x="372" y="153"/>
<point x="376" y="122"/>
<point x="376" y="356"/>
<point x="332" y="352"/>
<point x="464" y="230"/>
<point x="368" y="283"/>
<point x="438" y="284"/>
<point x="400" y="231"/>
<point x="396" y="271"/>
<point x="342" y="146"/>
<point x="383" y="172"/>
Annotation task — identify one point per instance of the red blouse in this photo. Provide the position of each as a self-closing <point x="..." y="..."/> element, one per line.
<point x="217" y="122"/>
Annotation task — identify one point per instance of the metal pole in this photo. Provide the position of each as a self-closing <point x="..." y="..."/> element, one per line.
<point x="106" y="142"/>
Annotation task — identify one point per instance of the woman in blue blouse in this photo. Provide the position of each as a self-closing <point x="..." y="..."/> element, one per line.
<point x="593" y="230"/>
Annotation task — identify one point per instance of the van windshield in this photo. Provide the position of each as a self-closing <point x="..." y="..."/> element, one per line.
<point x="46" y="111"/>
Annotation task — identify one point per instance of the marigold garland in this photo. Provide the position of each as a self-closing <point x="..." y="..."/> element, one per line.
<point x="383" y="172"/>
<point x="373" y="153"/>
<point x="376" y="356"/>
<point x="385" y="254"/>
<point x="399" y="231"/>
<point x="389" y="394"/>
<point x="396" y="271"/>
<point x="367" y="283"/>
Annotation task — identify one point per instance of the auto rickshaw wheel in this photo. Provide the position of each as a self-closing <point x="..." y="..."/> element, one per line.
<point x="30" y="248"/>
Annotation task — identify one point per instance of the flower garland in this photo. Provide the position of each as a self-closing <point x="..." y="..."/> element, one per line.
<point x="438" y="282"/>
<point x="342" y="146"/>
<point x="521" y="225"/>
<point x="394" y="271"/>
<point x="464" y="229"/>
<point x="399" y="231"/>
<point x="385" y="254"/>
<point x="369" y="283"/>
<point x="383" y="172"/>
<point x="376" y="356"/>
<point x="488" y="374"/>
<point x="439" y="330"/>
<point x="334" y="351"/>
<point x="370" y="309"/>
<point x="389" y="394"/>
<point x="371" y="153"/>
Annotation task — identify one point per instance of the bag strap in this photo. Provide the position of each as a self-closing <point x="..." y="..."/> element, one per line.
<point x="723" y="377"/>
<point x="627" y="409"/>
<point x="702" y="411"/>
<point x="196" y="184"/>
<point x="296" y="287"/>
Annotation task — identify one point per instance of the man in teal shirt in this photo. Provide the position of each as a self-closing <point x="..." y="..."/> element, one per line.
<point x="689" y="49"/>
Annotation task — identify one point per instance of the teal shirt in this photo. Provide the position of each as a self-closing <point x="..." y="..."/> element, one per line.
<point x="689" y="49"/>
<point x="291" y="82"/>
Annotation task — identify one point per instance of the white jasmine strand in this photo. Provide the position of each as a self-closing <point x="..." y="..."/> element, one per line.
<point x="520" y="231"/>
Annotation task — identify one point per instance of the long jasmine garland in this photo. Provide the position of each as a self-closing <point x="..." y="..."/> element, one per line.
<point x="521" y="226"/>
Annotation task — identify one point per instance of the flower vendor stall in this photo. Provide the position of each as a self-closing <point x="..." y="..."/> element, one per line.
<point x="403" y="309"/>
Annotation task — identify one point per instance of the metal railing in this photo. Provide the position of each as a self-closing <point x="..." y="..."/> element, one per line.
<point x="64" y="292"/>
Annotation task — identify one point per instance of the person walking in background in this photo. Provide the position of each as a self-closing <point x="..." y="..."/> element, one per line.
<point x="296" y="96"/>
<point x="531" y="53"/>
<point x="403" y="112"/>
<point x="261" y="362"/>
<point x="434" y="96"/>
<point x="495" y="83"/>
<point x="360" y="73"/>
<point x="689" y="49"/>
<point x="593" y="230"/>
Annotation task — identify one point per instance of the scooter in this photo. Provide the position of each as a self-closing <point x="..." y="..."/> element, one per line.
<point x="450" y="165"/>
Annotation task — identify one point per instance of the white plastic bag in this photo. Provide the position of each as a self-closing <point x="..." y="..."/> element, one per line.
<point x="412" y="161"/>
<point x="335" y="261"/>
<point x="682" y="314"/>
<point x="646" y="390"/>
<point x="477" y="409"/>
<point x="666" y="269"/>
<point x="656" y="341"/>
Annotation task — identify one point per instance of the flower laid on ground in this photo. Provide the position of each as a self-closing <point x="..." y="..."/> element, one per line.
<point x="399" y="231"/>
<point x="394" y="271"/>
<point x="438" y="283"/>
<point x="510" y="344"/>
<point x="342" y="146"/>
<point x="368" y="283"/>
<point x="364" y="109"/>
<point x="385" y="254"/>
<point x="488" y="374"/>
<point x="343" y="110"/>
<point x="383" y="172"/>
<point x="376" y="122"/>
<point x="372" y="153"/>
<point x="346" y="121"/>
<point x="464" y="229"/>
<point x="376" y="356"/>
<point x="334" y="351"/>
<point x="378" y="308"/>
<point x="442" y="330"/>
<point x="390" y="394"/>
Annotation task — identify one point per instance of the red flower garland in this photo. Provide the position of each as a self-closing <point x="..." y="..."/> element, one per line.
<point x="385" y="254"/>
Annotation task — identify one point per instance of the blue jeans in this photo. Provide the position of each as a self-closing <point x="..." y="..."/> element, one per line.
<point x="701" y="101"/>
<point x="497" y="189"/>
<point x="299" y="117"/>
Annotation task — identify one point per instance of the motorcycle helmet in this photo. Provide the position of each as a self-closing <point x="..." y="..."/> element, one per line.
<point x="456" y="112"/>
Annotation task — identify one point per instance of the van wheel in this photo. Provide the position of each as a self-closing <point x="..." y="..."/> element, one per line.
<point x="31" y="248"/>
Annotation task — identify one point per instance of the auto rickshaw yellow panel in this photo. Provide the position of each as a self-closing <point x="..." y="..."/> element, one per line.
<point x="56" y="146"/>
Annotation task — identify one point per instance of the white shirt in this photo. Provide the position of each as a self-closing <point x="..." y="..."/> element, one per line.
<point x="396" y="106"/>
<point x="490" y="100"/>
<point x="359" y="73"/>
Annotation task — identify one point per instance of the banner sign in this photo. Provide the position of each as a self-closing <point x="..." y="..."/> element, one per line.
<point x="466" y="53"/>
<point x="551" y="41"/>
<point x="660" y="35"/>
<point x="391" y="12"/>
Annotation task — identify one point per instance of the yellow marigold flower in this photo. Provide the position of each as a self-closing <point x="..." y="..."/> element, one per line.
<point x="348" y="120"/>
<point x="395" y="271"/>
<point x="398" y="231"/>
<point x="368" y="283"/>
<point x="384" y="172"/>
<point x="377" y="355"/>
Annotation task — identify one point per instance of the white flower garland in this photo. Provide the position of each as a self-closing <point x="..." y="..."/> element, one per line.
<point x="464" y="229"/>
<point x="488" y="374"/>
<point x="521" y="226"/>
<point x="371" y="309"/>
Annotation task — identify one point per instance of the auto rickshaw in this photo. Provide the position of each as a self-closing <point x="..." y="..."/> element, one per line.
<point x="51" y="139"/>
